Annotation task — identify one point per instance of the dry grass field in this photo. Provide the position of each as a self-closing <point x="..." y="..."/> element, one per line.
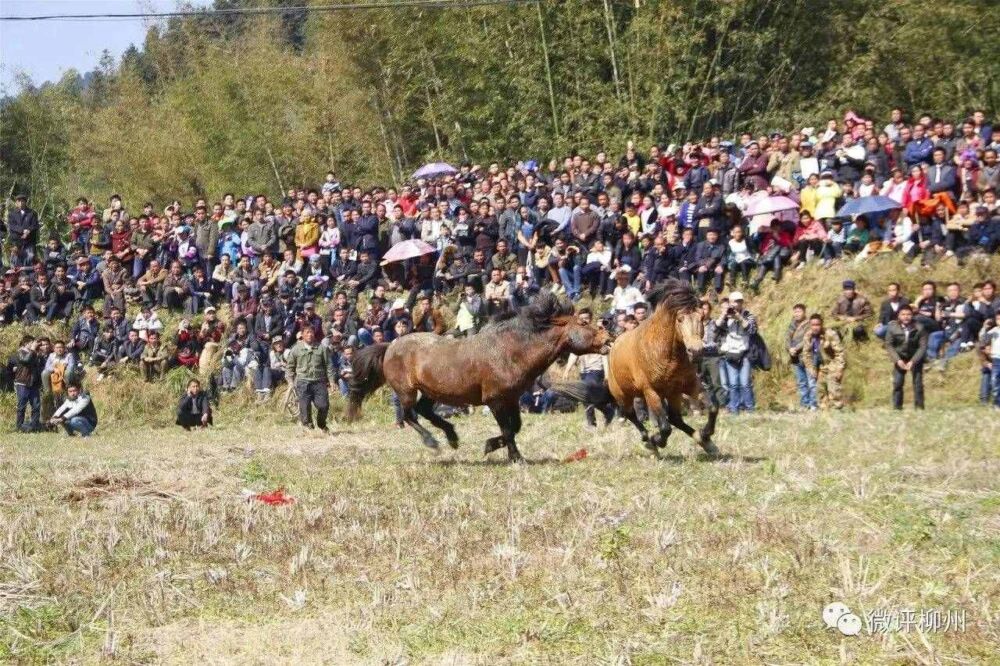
<point x="139" y="546"/>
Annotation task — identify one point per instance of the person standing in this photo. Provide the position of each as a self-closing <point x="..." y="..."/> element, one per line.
<point x="28" y="383"/>
<point x="194" y="409"/>
<point x="989" y="346"/>
<point x="824" y="361"/>
<point x="310" y="372"/>
<point x="906" y="344"/>
<point x="710" y="362"/>
<point x="737" y="326"/>
<point x="77" y="414"/>
<point x="592" y="372"/>
<point x="22" y="225"/>
<point x="806" y="383"/>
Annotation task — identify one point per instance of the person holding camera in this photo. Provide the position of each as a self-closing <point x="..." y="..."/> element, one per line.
<point x="77" y="414"/>
<point x="29" y="362"/>
<point x="737" y="325"/>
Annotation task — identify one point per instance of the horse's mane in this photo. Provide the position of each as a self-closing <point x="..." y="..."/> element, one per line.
<point x="673" y="294"/>
<point x="536" y="317"/>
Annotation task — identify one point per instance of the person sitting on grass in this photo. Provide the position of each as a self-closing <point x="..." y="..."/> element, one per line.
<point x="194" y="410"/>
<point x="77" y="414"/>
<point x="154" y="358"/>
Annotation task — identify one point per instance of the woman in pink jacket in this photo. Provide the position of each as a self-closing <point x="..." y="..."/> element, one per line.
<point x="810" y="233"/>
<point x="916" y="189"/>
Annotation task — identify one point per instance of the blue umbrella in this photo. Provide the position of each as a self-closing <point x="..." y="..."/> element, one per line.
<point x="872" y="205"/>
<point x="434" y="170"/>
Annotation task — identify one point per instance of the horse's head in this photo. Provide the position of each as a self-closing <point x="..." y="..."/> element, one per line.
<point x="676" y="299"/>
<point x="691" y="328"/>
<point x="584" y="337"/>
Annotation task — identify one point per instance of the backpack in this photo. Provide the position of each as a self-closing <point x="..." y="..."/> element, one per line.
<point x="760" y="356"/>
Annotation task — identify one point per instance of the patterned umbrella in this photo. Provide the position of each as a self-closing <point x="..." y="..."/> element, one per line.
<point x="408" y="249"/>
<point x="434" y="170"/>
<point x="768" y="205"/>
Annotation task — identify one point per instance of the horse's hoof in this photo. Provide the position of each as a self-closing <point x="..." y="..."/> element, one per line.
<point x="431" y="444"/>
<point x="453" y="442"/>
<point x="492" y="444"/>
<point x="651" y="447"/>
<point x="516" y="459"/>
<point x="709" y="447"/>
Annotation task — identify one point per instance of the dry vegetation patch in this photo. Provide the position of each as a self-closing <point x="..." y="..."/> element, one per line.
<point x="144" y="546"/>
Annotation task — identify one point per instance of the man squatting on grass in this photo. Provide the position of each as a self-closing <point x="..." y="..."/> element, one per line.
<point x="77" y="414"/>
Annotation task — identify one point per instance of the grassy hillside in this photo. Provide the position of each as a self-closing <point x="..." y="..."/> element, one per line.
<point x="139" y="545"/>
<point x="127" y="400"/>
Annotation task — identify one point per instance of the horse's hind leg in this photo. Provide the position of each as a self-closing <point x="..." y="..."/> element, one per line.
<point x="425" y="408"/>
<point x="659" y="417"/>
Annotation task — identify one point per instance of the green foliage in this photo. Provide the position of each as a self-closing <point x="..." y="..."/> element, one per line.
<point x="250" y="103"/>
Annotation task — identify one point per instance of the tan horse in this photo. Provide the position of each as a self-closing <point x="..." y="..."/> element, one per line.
<point x="656" y="362"/>
<point x="493" y="368"/>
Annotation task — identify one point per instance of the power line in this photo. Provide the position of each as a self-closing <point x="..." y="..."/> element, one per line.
<point x="208" y="13"/>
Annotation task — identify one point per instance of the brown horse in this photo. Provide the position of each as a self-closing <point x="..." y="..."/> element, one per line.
<point x="493" y="368"/>
<point x="656" y="362"/>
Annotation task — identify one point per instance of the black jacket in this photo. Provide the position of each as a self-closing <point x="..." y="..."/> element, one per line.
<point x="887" y="314"/>
<point x="19" y="221"/>
<point x="194" y="406"/>
<point x="906" y="344"/>
<point x="28" y="368"/>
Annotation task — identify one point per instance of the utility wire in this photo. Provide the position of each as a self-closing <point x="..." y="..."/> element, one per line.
<point x="235" y="11"/>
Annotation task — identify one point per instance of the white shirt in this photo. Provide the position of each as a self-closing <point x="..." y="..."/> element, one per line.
<point x="739" y="250"/>
<point x="144" y="325"/>
<point x="71" y="408"/>
<point x="625" y="298"/>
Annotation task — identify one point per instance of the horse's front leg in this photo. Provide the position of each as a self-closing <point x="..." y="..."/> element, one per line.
<point x="628" y="411"/>
<point x="658" y="415"/>
<point x="703" y="437"/>
<point x="509" y="419"/>
<point x="407" y="402"/>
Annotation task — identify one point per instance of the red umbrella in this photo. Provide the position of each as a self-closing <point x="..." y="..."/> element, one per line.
<point x="407" y="250"/>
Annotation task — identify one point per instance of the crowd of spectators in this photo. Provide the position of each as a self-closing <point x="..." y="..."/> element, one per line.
<point x="595" y="227"/>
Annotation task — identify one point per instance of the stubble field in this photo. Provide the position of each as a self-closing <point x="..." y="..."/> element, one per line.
<point x="141" y="547"/>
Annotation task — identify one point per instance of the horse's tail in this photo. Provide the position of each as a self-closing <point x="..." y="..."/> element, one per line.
<point x="587" y="393"/>
<point x="367" y="376"/>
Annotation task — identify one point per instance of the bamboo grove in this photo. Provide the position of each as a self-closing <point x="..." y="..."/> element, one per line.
<point x="257" y="103"/>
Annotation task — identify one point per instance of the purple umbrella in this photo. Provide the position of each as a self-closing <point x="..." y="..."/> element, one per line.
<point x="770" y="205"/>
<point x="408" y="249"/>
<point x="434" y="170"/>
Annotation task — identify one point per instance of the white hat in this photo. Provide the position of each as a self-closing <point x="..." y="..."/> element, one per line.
<point x="735" y="296"/>
<point x="623" y="269"/>
<point x="399" y="304"/>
